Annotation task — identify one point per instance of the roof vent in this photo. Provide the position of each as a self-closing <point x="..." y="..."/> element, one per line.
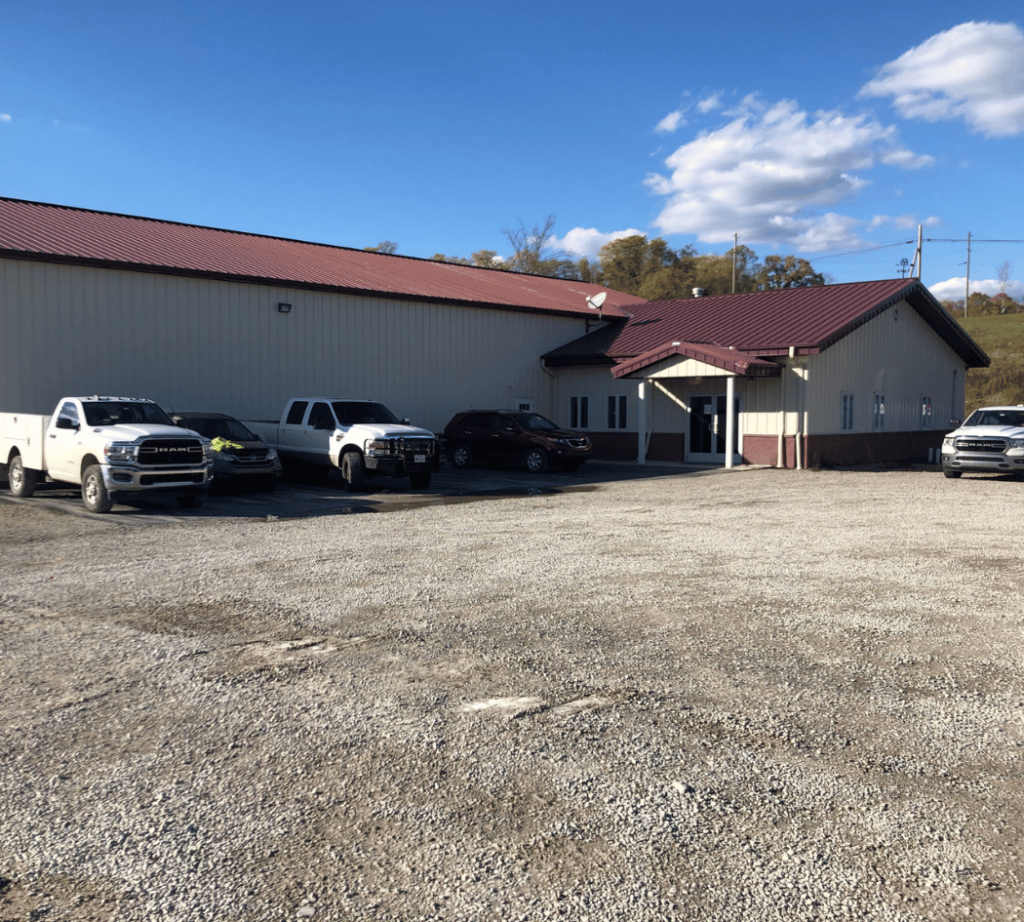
<point x="698" y="292"/>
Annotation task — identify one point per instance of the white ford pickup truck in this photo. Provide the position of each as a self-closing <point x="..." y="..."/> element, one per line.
<point x="112" y="446"/>
<point x="990" y="441"/>
<point x="361" y="438"/>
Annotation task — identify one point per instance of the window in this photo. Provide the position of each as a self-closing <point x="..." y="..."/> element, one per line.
<point x="70" y="411"/>
<point x="616" y="412"/>
<point x="926" y="412"/>
<point x="523" y="404"/>
<point x="878" y="420"/>
<point x="847" y="420"/>
<point x="579" y="412"/>
<point x="295" y="413"/>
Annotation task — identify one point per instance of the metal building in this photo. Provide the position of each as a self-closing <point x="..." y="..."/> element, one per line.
<point x="200" y="318"/>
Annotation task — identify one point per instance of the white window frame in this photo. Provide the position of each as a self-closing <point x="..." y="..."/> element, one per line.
<point x="878" y="413"/>
<point x="926" y="411"/>
<point x="846" y="417"/>
<point x="579" y="412"/>
<point x="523" y="404"/>
<point x="617" y="413"/>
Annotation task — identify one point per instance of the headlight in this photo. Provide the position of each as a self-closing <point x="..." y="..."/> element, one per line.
<point x="1016" y="443"/>
<point x="271" y="454"/>
<point x="120" y="451"/>
<point x="379" y="448"/>
<point x="208" y="451"/>
<point x="947" y="442"/>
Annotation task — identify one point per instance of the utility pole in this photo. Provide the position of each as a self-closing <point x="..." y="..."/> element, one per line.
<point x="967" y="281"/>
<point x="915" y="266"/>
<point x="735" y="247"/>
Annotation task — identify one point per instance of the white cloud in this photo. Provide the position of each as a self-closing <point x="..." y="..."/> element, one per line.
<point x="670" y="122"/>
<point x="5" y="117"/>
<point x="972" y="71"/>
<point x="953" y="289"/>
<point x="587" y="241"/>
<point x="774" y="175"/>
<point x="711" y="102"/>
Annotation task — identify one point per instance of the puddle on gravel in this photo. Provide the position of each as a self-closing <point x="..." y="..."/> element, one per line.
<point x="477" y="497"/>
<point x="421" y="502"/>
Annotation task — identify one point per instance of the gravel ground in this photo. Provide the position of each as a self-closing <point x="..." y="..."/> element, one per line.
<point x="755" y="695"/>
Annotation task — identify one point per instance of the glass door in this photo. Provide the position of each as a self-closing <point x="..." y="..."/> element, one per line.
<point x="707" y="428"/>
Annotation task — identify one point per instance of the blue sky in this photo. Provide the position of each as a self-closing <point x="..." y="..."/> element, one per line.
<point x="830" y="131"/>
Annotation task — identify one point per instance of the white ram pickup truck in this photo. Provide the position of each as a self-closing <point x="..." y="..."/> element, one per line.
<point x="361" y="438"/>
<point x="113" y="446"/>
<point x="990" y="441"/>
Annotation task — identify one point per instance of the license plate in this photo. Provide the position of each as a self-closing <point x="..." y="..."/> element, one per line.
<point x="419" y="459"/>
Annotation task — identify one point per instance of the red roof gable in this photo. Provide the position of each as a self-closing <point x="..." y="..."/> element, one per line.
<point x="767" y="323"/>
<point x="738" y="363"/>
<point x="33" y="230"/>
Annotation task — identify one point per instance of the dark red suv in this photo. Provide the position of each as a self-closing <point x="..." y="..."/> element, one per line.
<point x="513" y="437"/>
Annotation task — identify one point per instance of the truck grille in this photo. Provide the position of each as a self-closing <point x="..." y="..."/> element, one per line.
<point x="989" y="446"/>
<point x="164" y="452"/>
<point x="417" y="446"/>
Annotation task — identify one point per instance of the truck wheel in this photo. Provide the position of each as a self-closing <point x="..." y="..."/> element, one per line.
<point x="353" y="470"/>
<point x="95" y="497"/>
<point x="420" y="480"/>
<point x="22" y="479"/>
<point x="536" y="460"/>
<point x="192" y="500"/>
<point x="462" y="456"/>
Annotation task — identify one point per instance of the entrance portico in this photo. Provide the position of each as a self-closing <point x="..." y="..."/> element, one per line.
<point x="715" y="431"/>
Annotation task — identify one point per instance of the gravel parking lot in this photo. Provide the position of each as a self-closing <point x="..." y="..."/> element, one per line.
<point x="641" y="694"/>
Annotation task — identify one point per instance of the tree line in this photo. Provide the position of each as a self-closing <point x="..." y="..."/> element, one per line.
<point x="637" y="265"/>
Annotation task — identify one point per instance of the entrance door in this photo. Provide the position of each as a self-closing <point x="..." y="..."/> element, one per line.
<point x="707" y="428"/>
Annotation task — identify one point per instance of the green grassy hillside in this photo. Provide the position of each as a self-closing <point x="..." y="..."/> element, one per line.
<point x="1002" y="338"/>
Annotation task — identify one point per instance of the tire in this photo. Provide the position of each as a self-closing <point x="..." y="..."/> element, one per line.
<point x="191" y="500"/>
<point x="462" y="456"/>
<point x="95" y="497"/>
<point x="536" y="460"/>
<point x="353" y="470"/>
<point x="420" y="480"/>
<point x="22" y="479"/>
<point x="952" y="475"/>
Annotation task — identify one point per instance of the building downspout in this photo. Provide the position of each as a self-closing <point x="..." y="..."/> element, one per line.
<point x="781" y="460"/>
<point x="554" y="387"/>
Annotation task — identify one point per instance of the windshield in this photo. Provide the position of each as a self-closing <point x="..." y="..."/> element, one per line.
<point x="352" y="412"/>
<point x="218" y="427"/>
<point x="114" y="412"/>
<point x="533" y="422"/>
<point x="996" y="418"/>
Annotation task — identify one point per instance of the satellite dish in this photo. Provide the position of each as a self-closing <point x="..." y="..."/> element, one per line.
<point x="594" y="302"/>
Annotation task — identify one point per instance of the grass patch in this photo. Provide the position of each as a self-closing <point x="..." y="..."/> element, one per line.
<point x="1002" y="338"/>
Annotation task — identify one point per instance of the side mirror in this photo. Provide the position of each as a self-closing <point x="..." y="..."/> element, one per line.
<point x="64" y="423"/>
<point x="405" y="421"/>
<point x="954" y="423"/>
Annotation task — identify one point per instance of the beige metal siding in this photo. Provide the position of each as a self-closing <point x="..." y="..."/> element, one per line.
<point x="896" y="354"/>
<point x="199" y="344"/>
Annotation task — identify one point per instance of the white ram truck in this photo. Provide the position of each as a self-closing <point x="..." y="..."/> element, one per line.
<point x="114" y="447"/>
<point x="990" y="441"/>
<point x="361" y="438"/>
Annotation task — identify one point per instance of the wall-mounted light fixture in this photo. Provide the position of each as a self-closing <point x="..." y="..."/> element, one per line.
<point x="283" y="308"/>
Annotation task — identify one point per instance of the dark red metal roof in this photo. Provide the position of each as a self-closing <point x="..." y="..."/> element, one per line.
<point x="767" y="323"/>
<point x="738" y="363"/>
<point x="35" y="230"/>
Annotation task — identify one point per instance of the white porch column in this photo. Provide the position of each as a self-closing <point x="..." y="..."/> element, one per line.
<point x="641" y="423"/>
<point x="730" y="420"/>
